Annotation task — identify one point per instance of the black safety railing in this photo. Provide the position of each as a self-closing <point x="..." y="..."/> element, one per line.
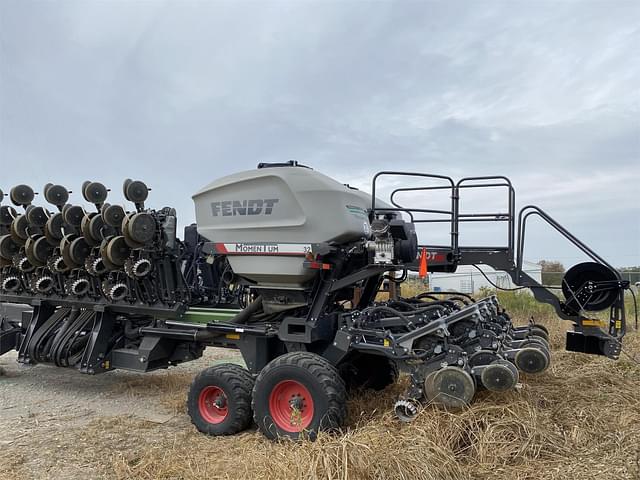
<point x="453" y="216"/>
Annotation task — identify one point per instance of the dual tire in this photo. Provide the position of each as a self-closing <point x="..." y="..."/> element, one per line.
<point x="219" y="401"/>
<point x="295" y="396"/>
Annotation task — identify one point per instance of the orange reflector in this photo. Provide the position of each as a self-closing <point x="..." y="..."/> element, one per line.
<point x="316" y="265"/>
<point x="422" y="273"/>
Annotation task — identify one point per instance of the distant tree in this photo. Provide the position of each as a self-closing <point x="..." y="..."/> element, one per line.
<point x="549" y="266"/>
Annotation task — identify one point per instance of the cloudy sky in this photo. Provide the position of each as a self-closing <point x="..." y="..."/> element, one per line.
<point x="180" y="93"/>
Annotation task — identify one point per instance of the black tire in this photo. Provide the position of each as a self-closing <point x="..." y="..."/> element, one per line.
<point x="532" y="359"/>
<point x="541" y="340"/>
<point x="235" y="384"/>
<point x="300" y="377"/>
<point x="541" y="327"/>
<point x="362" y="371"/>
<point x="540" y="331"/>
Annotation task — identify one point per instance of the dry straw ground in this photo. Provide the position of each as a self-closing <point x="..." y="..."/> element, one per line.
<point x="578" y="420"/>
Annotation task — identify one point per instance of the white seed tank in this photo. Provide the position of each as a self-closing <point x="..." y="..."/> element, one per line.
<point x="267" y="219"/>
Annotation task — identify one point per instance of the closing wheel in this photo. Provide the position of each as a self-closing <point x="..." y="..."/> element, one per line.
<point x="362" y="371"/>
<point x="297" y="395"/>
<point x="451" y="387"/>
<point x="43" y="284"/>
<point x="219" y="401"/>
<point x="117" y="292"/>
<point x="499" y="376"/>
<point x="10" y="284"/>
<point x="406" y="410"/>
<point x="79" y="287"/>
<point x="532" y="359"/>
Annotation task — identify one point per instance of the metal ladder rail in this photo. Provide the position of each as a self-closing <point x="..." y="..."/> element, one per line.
<point x="529" y="210"/>
<point x="511" y="205"/>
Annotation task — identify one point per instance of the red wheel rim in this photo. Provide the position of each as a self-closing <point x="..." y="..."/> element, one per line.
<point x="291" y="406"/>
<point x="212" y="404"/>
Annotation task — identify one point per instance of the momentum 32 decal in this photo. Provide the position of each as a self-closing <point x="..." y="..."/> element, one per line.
<point x="240" y="248"/>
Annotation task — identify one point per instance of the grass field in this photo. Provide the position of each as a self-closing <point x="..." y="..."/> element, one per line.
<point x="578" y="420"/>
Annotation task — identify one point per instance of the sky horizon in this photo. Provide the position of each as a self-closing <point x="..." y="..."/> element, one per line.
<point x="178" y="94"/>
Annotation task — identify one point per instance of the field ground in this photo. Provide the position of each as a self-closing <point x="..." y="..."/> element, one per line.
<point x="578" y="420"/>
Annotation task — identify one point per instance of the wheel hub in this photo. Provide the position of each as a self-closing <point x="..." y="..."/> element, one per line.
<point x="212" y="404"/>
<point x="291" y="406"/>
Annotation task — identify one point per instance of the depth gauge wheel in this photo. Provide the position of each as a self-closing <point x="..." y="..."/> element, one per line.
<point x="219" y="401"/>
<point x="450" y="387"/>
<point x="297" y="395"/>
<point x="532" y="359"/>
<point x="539" y="331"/>
<point x="540" y="340"/>
<point x="499" y="376"/>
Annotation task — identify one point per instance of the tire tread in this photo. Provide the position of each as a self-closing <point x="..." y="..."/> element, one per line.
<point x="240" y="383"/>
<point x="327" y="376"/>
